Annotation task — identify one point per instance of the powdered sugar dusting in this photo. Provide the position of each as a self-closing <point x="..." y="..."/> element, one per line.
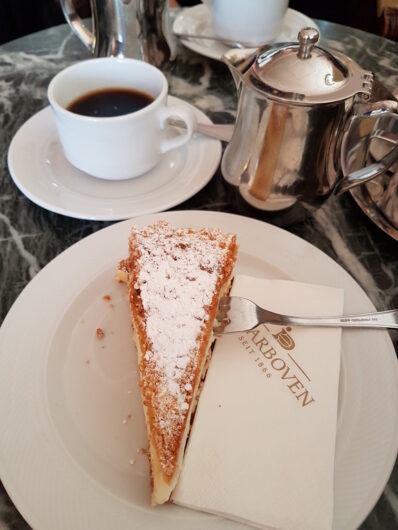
<point x="177" y="278"/>
<point x="178" y="273"/>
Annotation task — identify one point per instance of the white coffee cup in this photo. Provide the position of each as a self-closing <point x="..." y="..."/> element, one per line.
<point x="253" y="22"/>
<point x="117" y="147"/>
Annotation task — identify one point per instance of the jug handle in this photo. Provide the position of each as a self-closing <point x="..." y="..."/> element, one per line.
<point x="362" y="175"/>
<point x="76" y="24"/>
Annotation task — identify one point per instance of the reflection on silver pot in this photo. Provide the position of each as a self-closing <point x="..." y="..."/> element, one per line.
<point x="138" y="29"/>
<point x="297" y="102"/>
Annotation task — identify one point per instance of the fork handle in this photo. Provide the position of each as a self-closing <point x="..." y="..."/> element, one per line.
<point x="381" y="319"/>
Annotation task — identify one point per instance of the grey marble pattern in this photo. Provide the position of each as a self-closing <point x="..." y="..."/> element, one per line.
<point x="31" y="236"/>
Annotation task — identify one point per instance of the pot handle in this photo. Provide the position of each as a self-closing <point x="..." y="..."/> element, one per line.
<point x="76" y="24"/>
<point x="360" y="176"/>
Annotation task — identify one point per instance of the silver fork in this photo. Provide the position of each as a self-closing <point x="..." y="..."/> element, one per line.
<point x="240" y="314"/>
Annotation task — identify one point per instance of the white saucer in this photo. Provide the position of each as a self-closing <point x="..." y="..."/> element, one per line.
<point x="196" y="20"/>
<point x="40" y="170"/>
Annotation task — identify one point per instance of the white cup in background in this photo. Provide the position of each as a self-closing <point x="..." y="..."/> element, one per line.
<point x="117" y="147"/>
<point x="253" y="22"/>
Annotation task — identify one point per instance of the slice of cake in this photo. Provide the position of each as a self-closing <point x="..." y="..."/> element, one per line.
<point x="175" y="279"/>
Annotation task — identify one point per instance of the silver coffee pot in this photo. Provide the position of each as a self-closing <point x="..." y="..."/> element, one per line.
<point x="297" y="103"/>
<point x="125" y="28"/>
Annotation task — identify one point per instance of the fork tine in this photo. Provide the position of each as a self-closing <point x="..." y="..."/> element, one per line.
<point x="222" y="315"/>
<point x="235" y="314"/>
<point x="225" y="303"/>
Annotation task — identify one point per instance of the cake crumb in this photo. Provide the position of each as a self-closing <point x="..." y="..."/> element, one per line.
<point x="100" y="333"/>
<point x="87" y="361"/>
<point x="129" y="391"/>
<point x="122" y="276"/>
<point x="143" y="451"/>
<point x="107" y="297"/>
<point x="132" y="461"/>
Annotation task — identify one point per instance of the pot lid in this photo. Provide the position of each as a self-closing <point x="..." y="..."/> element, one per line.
<point x="305" y="73"/>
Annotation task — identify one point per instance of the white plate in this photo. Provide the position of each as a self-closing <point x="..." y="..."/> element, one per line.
<point x="64" y="449"/>
<point x="196" y="20"/>
<point x="40" y="170"/>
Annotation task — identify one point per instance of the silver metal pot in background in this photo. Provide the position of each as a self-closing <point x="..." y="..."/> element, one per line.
<point x="296" y="106"/>
<point x="125" y="28"/>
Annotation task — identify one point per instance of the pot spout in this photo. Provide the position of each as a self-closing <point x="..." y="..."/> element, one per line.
<point x="239" y="61"/>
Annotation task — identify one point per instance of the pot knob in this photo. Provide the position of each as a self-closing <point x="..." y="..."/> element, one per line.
<point x="307" y="38"/>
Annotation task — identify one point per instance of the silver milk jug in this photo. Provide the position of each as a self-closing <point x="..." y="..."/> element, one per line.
<point x="297" y="104"/>
<point x="125" y="28"/>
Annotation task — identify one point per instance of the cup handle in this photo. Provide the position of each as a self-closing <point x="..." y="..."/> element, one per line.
<point x="76" y="24"/>
<point x="183" y="113"/>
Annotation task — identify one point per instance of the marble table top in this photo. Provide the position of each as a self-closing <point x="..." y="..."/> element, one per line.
<point x="30" y="236"/>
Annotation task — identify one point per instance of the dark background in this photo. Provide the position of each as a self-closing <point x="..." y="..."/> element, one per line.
<point x="21" y="17"/>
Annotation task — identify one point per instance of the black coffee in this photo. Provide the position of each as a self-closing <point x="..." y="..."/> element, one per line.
<point x="110" y="102"/>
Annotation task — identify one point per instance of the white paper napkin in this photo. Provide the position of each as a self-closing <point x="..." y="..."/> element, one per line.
<point x="262" y="445"/>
